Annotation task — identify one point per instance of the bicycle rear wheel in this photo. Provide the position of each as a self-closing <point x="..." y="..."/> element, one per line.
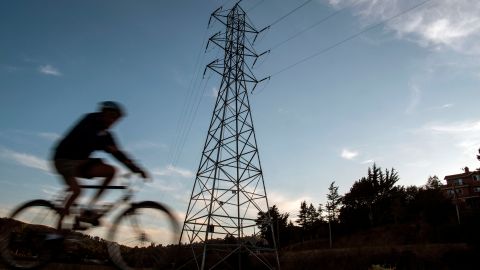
<point x="29" y="237"/>
<point x="140" y="237"/>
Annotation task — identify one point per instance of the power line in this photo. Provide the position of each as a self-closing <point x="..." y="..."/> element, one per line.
<point x="192" y="97"/>
<point x="289" y="13"/>
<point x="190" y="118"/>
<point x="180" y="151"/>
<point x="188" y="96"/>
<point x="255" y="6"/>
<point x="350" y="38"/>
<point x="308" y="28"/>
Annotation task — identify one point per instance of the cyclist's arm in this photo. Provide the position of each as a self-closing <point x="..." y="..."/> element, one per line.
<point x="122" y="157"/>
<point x="111" y="147"/>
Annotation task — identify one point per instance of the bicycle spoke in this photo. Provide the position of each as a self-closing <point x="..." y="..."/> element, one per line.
<point x="144" y="250"/>
<point x="27" y="243"/>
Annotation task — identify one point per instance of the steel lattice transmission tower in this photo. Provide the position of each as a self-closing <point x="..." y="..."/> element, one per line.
<point x="229" y="190"/>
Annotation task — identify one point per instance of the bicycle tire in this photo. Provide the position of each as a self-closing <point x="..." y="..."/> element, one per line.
<point x="29" y="237"/>
<point x="149" y="253"/>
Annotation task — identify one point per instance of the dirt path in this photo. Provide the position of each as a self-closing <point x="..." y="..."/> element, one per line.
<point x="58" y="266"/>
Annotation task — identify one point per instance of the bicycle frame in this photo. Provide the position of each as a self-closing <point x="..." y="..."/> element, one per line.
<point x="125" y="198"/>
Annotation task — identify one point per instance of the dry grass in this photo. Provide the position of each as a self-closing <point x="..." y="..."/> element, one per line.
<point x="428" y="256"/>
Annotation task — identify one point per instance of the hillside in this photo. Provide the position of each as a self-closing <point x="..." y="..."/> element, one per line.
<point x="397" y="247"/>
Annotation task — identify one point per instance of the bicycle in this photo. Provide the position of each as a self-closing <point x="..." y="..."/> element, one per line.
<point x="33" y="234"/>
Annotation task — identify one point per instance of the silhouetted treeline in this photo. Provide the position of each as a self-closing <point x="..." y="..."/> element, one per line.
<point x="373" y="201"/>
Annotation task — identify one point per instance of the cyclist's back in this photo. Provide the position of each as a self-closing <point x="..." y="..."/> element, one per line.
<point x="88" y="135"/>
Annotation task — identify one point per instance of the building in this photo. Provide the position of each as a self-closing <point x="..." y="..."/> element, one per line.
<point x="464" y="187"/>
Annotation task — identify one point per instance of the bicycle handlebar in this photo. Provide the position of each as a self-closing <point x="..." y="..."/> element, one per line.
<point x="99" y="187"/>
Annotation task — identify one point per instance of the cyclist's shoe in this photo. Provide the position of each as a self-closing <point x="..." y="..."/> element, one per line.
<point x="89" y="216"/>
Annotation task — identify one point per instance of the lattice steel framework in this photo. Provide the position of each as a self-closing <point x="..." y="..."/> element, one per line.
<point x="229" y="189"/>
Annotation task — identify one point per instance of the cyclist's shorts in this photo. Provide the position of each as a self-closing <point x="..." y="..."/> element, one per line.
<point x="75" y="168"/>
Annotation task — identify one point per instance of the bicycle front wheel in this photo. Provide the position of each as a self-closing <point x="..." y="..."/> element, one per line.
<point x="29" y="236"/>
<point x="141" y="236"/>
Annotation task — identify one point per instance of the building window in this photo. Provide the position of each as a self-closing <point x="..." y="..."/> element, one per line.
<point x="458" y="181"/>
<point x="459" y="191"/>
<point x="476" y="177"/>
<point x="476" y="189"/>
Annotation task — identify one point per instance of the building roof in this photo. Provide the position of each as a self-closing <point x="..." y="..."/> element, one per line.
<point x="467" y="173"/>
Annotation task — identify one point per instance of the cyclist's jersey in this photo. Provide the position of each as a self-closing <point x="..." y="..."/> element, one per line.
<point x="87" y="136"/>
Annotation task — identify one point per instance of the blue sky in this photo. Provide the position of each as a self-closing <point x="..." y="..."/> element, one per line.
<point x="404" y="94"/>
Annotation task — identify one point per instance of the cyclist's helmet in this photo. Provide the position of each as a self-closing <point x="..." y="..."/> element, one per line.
<point x="112" y="106"/>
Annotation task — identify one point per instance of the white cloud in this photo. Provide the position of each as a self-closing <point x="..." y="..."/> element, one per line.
<point x="145" y="145"/>
<point x="464" y="127"/>
<point x="285" y="204"/>
<point x="49" y="70"/>
<point x="171" y="170"/>
<point x="368" y="161"/>
<point x="464" y="135"/>
<point x="441" y="107"/>
<point x="165" y="186"/>
<point x="437" y="147"/>
<point x="49" y="136"/>
<point x="27" y="160"/>
<point x="51" y="190"/>
<point x="348" y="154"/>
<point x="9" y="68"/>
<point x="284" y="111"/>
<point x="452" y="24"/>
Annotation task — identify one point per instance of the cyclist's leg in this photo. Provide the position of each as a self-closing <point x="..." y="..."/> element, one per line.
<point x="96" y="168"/>
<point x="68" y="170"/>
<point x="75" y="192"/>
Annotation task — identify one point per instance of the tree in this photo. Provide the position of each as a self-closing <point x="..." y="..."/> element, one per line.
<point x="306" y="218"/>
<point x="333" y="203"/>
<point x="279" y="224"/>
<point x="320" y="212"/>
<point x="302" y="215"/>
<point x="370" y="198"/>
<point x="433" y="183"/>
<point x="312" y="216"/>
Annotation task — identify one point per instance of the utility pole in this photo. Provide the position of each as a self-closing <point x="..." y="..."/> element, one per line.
<point x="229" y="189"/>
<point x="456" y="202"/>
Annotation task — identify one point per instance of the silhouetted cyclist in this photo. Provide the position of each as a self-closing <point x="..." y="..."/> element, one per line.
<point x="72" y="155"/>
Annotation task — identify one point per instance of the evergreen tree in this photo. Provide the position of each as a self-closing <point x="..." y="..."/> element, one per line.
<point x="312" y="216"/>
<point x="320" y="212"/>
<point x="333" y="202"/>
<point x="279" y="223"/>
<point x="302" y="220"/>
